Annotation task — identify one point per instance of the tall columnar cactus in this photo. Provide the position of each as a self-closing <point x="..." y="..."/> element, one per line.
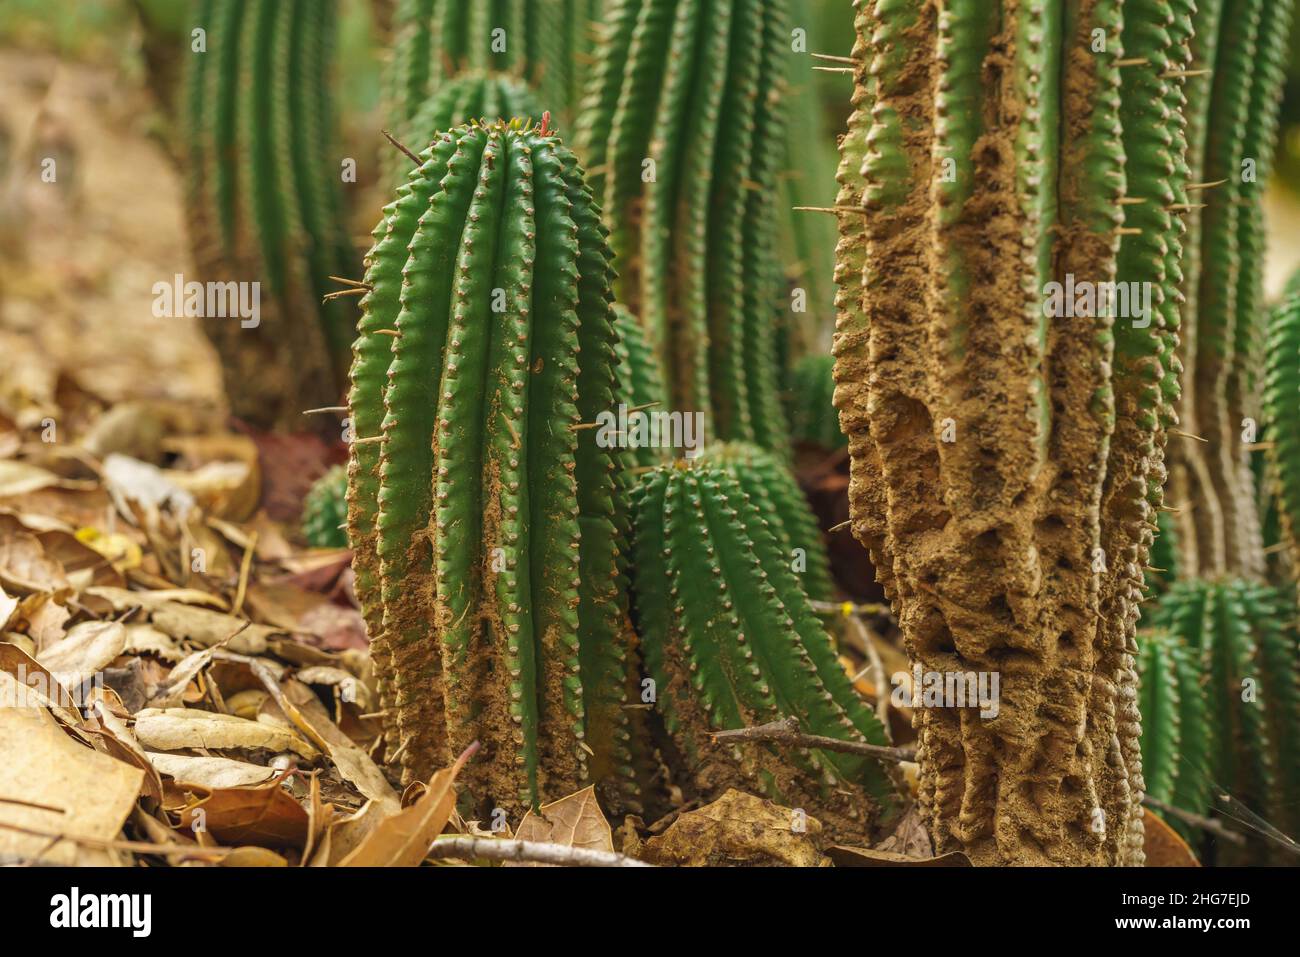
<point x="771" y="486"/>
<point x="325" y="510"/>
<point x="1004" y="414"/>
<point x="264" y="200"/>
<point x="730" y="641"/>
<point x="1176" y="730"/>
<point x="1240" y="47"/>
<point x="1281" y="412"/>
<point x="483" y="522"/>
<point x="807" y="180"/>
<point x="1246" y="652"/>
<point x="683" y="128"/>
<point x="471" y="96"/>
<point x="811" y="406"/>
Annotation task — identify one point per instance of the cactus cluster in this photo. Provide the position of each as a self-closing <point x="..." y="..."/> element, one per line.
<point x="1008" y="504"/>
<point x="731" y="641"/>
<point x="264" y="199"/>
<point x="483" y="523"/>
<point x="325" y="510"/>
<point x="682" y="127"/>
<point x="1245" y="654"/>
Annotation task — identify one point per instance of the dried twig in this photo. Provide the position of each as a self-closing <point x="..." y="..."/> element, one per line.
<point x="786" y="731"/>
<point x="1195" y="820"/>
<point x="499" y="849"/>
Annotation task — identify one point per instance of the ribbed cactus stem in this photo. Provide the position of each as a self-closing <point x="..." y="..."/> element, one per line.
<point x="684" y="122"/>
<point x="484" y="529"/>
<point x="730" y="641"/>
<point x="1004" y="418"/>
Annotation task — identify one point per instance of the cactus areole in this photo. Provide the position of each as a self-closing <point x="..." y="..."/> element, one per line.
<point x="1004" y="161"/>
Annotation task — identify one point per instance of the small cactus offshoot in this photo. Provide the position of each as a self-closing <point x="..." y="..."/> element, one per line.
<point x="325" y="510"/>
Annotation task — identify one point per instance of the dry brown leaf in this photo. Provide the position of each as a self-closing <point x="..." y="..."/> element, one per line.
<point x="403" y="839"/>
<point x="574" y="821"/>
<point x="179" y="679"/>
<point x="106" y="712"/>
<point x="28" y="682"/>
<point x="266" y="815"/>
<point x="148" y="640"/>
<point x="209" y="628"/>
<point x="86" y="650"/>
<point x="8" y="606"/>
<point x="869" y="857"/>
<point x="53" y="785"/>
<point x="122" y="599"/>
<point x="25" y="567"/>
<point x="738" y="829"/>
<point x="20" y="478"/>
<point x="301" y="706"/>
<point x="209" y="773"/>
<point x="910" y="838"/>
<point x="252" y="856"/>
<point x="170" y="729"/>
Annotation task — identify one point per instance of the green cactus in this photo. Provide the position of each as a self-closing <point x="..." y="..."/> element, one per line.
<point x="807" y="179"/>
<point x="1175" y="725"/>
<point x="1281" y="411"/>
<point x="1232" y="124"/>
<point x="730" y="641"/>
<point x="683" y="128"/>
<point x="643" y="386"/>
<point x="1163" y="567"/>
<point x="325" y="510"/>
<point x="1247" y="657"/>
<point x="811" y="404"/>
<point x="773" y="488"/>
<point x="472" y="96"/>
<point x="264" y="202"/>
<point x="1008" y="493"/>
<point x="483" y="523"/>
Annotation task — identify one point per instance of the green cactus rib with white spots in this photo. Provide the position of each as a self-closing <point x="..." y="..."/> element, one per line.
<point x="683" y="128"/>
<point x="483" y="523"/>
<point x="1244" y="651"/>
<point x="1282" y="411"/>
<point x="773" y="488"/>
<point x="811" y="404"/>
<point x="643" y="386"/>
<point x="730" y="641"/>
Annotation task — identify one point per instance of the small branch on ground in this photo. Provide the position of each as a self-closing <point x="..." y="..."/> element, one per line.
<point x="498" y="849"/>
<point x="786" y="731"/>
<point x="1195" y="820"/>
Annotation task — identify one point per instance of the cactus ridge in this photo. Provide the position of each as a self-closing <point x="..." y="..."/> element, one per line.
<point x="1245" y="657"/>
<point x="484" y="529"/>
<point x="773" y="488"/>
<point x="643" y="386"/>
<point x="731" y="641"/>
<point x="1281" y="408"/>
<point x="683" y="119"/>
<point x="325" y="510"/>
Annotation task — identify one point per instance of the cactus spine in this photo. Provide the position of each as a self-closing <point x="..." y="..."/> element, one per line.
<point x="1006" y="493"/>
<point x="483" y="524"/>
<point x="683" y="120"/>
<point x="731" y="641"/>
<point x="263" y="204"/>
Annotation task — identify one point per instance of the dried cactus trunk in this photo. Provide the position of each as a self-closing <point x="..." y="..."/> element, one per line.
<point x="683" y="123"/>
<point x="483" y="523"/>
<point x="1232" y="117"/>
<point x="731" y="642"/>
<point x="263" y="205"/>
<point x="1006" y="461"/>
